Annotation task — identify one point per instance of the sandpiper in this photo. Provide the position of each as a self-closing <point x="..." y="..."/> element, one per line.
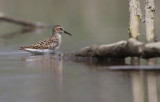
<point x="48" y="45"/>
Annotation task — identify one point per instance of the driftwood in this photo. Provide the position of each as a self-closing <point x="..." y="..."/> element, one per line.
<point x="121" y="49"/>
<point x="23" y="23"/>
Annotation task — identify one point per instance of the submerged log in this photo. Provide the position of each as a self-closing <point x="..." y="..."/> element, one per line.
<point x="121" y="49"/>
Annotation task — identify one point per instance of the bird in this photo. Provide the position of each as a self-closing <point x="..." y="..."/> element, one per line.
<point x="48" y="45"/>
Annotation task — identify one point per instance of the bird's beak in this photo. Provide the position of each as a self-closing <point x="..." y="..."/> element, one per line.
<point x="67" y="33"/>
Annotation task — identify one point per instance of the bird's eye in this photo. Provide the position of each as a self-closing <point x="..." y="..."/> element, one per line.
<point x="61" y="28"/>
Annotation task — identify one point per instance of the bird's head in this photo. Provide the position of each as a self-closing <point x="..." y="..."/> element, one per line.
<point x="59" y="30"/>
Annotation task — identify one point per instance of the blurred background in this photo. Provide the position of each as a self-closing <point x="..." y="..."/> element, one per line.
<point x="90" y="21"/>
<point x="27" y="78"/>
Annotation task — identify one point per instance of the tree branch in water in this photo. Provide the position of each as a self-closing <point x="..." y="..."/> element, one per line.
<point x="23" y="23"/>
<point x="121" y="49"/>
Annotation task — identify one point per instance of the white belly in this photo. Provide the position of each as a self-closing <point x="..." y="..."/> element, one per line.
<point x="39" y="51"/>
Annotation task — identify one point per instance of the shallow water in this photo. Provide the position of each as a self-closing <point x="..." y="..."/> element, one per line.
<point x="28" y="78"/>
<point x="47" y="78"/>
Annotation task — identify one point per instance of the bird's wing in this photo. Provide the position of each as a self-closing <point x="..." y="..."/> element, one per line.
<point x="48" y="43"/>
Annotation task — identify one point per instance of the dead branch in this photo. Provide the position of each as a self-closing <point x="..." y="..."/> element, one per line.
<point x="121" y="49"/>
<point x="22" y="22"/>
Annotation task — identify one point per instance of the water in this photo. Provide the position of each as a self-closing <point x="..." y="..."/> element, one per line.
<point x="40" y="78"/>
<point x="47" y="78"/>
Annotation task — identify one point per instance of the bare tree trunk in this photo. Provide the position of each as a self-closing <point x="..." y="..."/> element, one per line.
<point x="149" y="20"/>
<point x="150" y="37"/>
<point x="135" y="17"/>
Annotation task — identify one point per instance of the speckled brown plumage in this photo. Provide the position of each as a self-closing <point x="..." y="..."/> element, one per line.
<point x="48" y="43"/>
<point x="51" y="43"/>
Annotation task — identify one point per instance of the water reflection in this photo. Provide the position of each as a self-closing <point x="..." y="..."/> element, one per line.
<point x="141" y="84"/>
<point x="143" y="78"/>
<point x="49" y="65"/>
<point x="100" y="63"/>
<point x="137" y="81"/>
<point x="152" y="87"/>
